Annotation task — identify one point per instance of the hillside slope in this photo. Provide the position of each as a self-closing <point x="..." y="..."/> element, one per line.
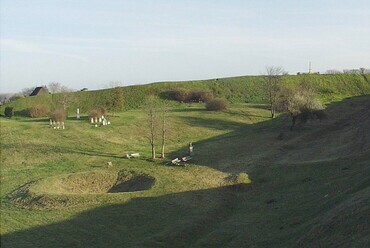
<point x="236" y="89"/>
<point x="303" y="192"/>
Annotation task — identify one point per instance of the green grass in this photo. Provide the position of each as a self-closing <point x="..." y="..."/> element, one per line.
<point x="310" y="189"/>
<point x="244" y="89"/>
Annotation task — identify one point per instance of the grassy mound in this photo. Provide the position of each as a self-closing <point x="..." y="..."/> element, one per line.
<point x="64" y="190"/>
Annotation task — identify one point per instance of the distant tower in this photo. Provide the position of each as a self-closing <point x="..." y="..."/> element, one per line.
<point x="309" y="68"/>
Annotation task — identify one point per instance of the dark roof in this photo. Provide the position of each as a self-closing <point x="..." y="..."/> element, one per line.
<point x="39" y="90"/>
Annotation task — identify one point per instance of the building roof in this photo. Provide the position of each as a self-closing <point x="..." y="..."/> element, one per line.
<point x="39" y="90"/>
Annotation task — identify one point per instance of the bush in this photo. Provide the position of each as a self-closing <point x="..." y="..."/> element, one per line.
<point x="200" y="96"/>
<point x="58" y="115"/>
<point x="38" y="111"/>
<point x="102" y="111"/>
<point x="16" y="97"/>
<point x="183" y="95"/>
<point x="9" y="112"/>
<point x="97" y="112"/>
<point x="180" y="95"/>
<point x="217" y="104"/>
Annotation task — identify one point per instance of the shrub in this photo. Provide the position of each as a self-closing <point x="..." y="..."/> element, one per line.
<point x="16" y="97"/>
<point x="96" y="113"/>
<point x="58" y="115"/>
<point x="180" y="95"/>
<point x="183" y="95"/>
<point x="216" y="104"/>
<point x="102" y="111"/>
<point x="38" y="111"/>
<point x="9" y="112"/>
<point x="200" y="96"/>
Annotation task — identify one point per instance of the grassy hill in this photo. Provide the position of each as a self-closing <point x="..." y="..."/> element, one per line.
<point x="309" y="188"/>
<point x="247" y="89"/>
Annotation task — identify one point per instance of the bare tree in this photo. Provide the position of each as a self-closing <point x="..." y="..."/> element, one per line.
<point x="56" y="87"/>
<point x="116" y="100"/>
<point x="114" y="84"/>
<point x="65" y="99"/>
<point x="27" y="91"/>
<point x="300" y="103"/>
<point x="333" y="71"/>
<point x="164" y="116"/>
<point x="351" y="71"/>
<point x="273" y="81"/>
<point x="152" y="119"/>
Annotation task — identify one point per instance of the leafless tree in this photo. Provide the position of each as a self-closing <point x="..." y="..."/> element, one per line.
<point x="116" y="100"/>
<point x="164" y="116"/>
<point x="333" y="71"/>
<point x="114" y="84"/>
<point x="351" y="71"/>
<point x="152" y="120"/>
<point x="65" y="99"/>
<point x="273" y="81"/>
<point x="27" y="91"/>
<point x="56" y="87"/>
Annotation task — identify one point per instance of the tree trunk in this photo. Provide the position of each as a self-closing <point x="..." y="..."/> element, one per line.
<point x="164" y="130"/>
<point x="163" y="142"/>
<point x="272" y="111"/>
<point x="293" y="122"/>
<point x="153" y="151"/>
<point x="152" y="133"/>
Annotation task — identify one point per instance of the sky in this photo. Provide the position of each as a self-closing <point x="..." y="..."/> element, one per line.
<point x="91" y="43"/>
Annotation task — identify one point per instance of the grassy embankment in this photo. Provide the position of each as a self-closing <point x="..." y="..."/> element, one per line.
<point x="246" y="89"/>
<point x="308" y="189"/>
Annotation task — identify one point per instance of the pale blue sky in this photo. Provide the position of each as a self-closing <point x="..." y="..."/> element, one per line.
<point x="88" y="43"/>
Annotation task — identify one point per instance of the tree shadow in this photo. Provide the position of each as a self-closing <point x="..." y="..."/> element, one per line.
<point x="65" y="150"/>
<point x="186" y="110"/>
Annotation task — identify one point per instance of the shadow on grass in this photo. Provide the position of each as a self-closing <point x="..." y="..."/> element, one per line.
<point x="66" y="150"/>
<point x="228" y="216"/>
<point x="45" y="120"/>
<point x="84" y="118"/>
<point x="171" y="220"/>
<point x="241" y="144"/>
<point x="186" y="110"/>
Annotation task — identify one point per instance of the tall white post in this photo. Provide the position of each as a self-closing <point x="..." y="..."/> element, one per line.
<point x="78" y="113"/>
